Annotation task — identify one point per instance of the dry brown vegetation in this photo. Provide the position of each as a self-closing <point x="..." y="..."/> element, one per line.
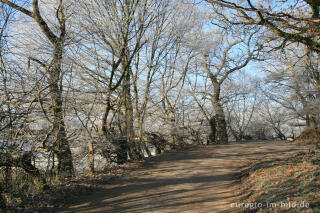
<point x="289" y="185"/>
<point x="309" y="136"/>
<point x="21" y="195"/>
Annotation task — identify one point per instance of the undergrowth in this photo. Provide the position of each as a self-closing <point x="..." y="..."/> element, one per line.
<point x="19" y="193"/>
<point x="291" y="185"/>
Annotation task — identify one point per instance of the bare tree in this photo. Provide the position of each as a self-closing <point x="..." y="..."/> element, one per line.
<point x="241" y="104"/>
<point x="296" y="21"/>
<point x="118" y="31"/>
<point x="149" y="58"/>
<point x="292" y="82"/>
<point x="57" y="40"/>
<point x="172" y="82"/>
<point x="218" y="62"/>
<point x="16" y="105"/>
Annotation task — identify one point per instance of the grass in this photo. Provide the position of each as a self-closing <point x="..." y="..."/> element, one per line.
<point x="291" y="185"/>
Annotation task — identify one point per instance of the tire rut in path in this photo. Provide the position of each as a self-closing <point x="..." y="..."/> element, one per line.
<point x="198" y="180"/>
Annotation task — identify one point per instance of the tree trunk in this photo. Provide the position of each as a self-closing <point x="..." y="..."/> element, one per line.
<point x="221" y="125"/>
<point x="134" y="148"/>
<point x="140" y="134"/>
<point x="61" y="145"/>
<point x="236" y="135"/>
<point x="91" y="158"/>
<point x="314" y="123"/>
<point x="119" y="145"/>
<point x="221" y="134"/>
<point x="212" y="133"/>
<point x="173" y="129"/>
<point x="308" y="122"/>
<point x="147" y="149"/>
<point x="121" y="150"/>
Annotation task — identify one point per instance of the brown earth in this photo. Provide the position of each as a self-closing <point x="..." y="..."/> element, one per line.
<point x="202" y="179"/>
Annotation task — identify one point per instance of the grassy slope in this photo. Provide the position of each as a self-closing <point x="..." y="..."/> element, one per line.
<point x="276" y="185"/>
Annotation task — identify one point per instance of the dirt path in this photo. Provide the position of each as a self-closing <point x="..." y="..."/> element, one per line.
<point x="198" y="180"/>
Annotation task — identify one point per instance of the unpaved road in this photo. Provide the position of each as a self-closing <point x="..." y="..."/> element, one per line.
<point x="197" y="180"/>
